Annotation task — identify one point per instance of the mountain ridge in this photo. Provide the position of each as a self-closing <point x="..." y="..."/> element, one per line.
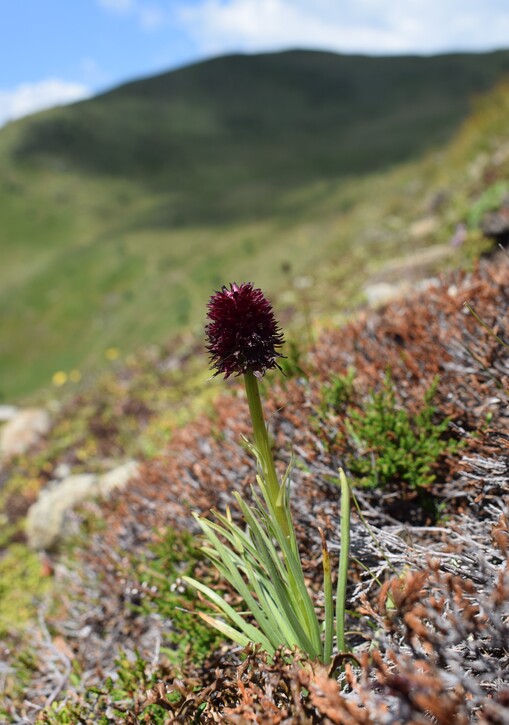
<point x="280" y="94"/>
<point x="118" y="216"/>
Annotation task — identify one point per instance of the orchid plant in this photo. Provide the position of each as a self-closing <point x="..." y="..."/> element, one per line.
<point x="260" y="559"/>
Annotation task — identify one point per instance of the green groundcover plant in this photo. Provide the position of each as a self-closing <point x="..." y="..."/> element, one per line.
<point x="394" y="447"/>
<point x="261" y="559"/>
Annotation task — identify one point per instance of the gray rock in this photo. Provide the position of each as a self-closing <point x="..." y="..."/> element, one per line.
<point x="62" y="470"/>
<point x="118" y="478"/>
<point x="47" y="517"/>
<point x="379" y="293"/>
<point x="7" y="412"/>
<point x="24" y="429"/>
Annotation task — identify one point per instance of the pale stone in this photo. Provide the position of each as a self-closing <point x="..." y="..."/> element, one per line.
<point x="62" y="470"/>
<point x="7" y="412"/>
<point x="46" y="518"/>
<point x="423" y="227"/>
<point x="118" y="478"/>
<point x="381" y="292"/>
<point x="24" y="429"/>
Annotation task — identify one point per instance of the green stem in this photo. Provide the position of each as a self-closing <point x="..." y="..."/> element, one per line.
<point x="262" y="445"/>
<point x="343" y="563"/>
<point x="329" y="606"/>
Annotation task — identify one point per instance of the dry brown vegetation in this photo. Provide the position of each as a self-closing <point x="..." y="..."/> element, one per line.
<point x="429" y="635"/>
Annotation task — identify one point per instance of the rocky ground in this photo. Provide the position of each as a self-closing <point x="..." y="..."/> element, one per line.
<point x="412" y="401"/>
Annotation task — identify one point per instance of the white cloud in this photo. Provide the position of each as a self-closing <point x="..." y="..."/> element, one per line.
<point x="148" y="16"/>
<point x="117" y="6"/>
<point x="368" y="26"/>
<point x="151" y="18"/>
<point x="31" y="97"/>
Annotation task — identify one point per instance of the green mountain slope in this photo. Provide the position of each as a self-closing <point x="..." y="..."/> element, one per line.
<point x="260" y="121"/>
<point x="119" y="214"/>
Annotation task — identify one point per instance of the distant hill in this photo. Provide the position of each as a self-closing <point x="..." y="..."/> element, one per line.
<point x="260" y="121"/>
<point x="119" y="214"/>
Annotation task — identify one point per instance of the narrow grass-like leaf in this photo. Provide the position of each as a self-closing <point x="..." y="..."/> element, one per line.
<point x="488" y="329"/>
<point x="267" y="594"/>
<point x="275" y="621"/>
<point x="254" y="634"/>
<point x="300" y="594"/>
<point x="290" y="603"/>
<point x="298" y="605"/>
<point x="229" y="566"/>
<point x="225" y="629"/>
<point x="328" y="602"/>
<point x="343" y="562"/>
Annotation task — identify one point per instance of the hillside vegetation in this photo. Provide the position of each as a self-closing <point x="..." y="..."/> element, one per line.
<point x="411" y="399"/>
<point x="119" y="214"/>
<point x="118" y="639"/>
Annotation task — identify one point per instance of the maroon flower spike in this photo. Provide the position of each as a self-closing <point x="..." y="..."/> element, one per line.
<point x="242" y="334"/>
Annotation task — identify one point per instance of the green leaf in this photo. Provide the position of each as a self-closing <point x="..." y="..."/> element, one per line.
<point x="253" y="633"/>
<point x="225" y="629"/>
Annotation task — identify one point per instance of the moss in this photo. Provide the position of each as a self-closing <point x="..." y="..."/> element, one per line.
<point x="116" y="699"/>
<point x="21" y="583"/>
<point x="23" y="664"/>
<point x="187" y="639"/>
<point x="176" y="555"/>
<point x="193" y="400"/>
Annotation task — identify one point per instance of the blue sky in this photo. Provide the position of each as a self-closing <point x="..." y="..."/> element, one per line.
<point x="56" y="51"/>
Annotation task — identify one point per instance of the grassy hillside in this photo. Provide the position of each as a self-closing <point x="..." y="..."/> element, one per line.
<point x="115" y="624"/>
<point x="118" y="638"/>
<point x="118" y="214"/>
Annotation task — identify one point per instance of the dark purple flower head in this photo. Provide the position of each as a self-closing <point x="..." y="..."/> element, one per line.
<point x="242" y="333"/>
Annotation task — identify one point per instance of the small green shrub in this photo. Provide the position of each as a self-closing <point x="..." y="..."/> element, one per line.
<point x="115" y="700"/>
<point x="490" y="200"/>
<point x="292" y="363"/>
<point x="338" y="392"/>
<point x="393" y="447"/>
